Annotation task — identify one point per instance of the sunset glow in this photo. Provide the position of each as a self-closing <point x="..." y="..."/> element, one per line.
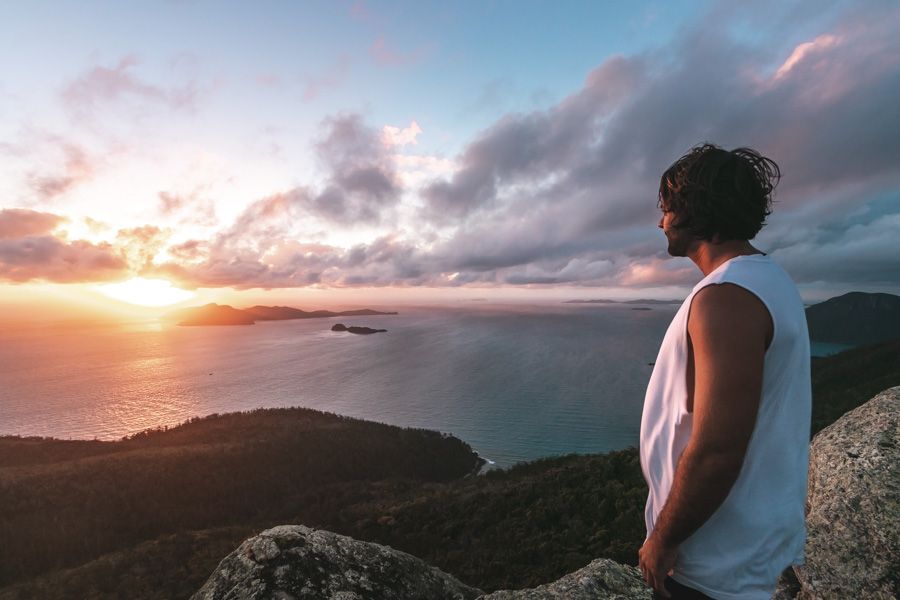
<point x="146" y="292"/>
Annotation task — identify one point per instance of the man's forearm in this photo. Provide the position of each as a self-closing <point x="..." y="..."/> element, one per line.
<point x="702" y="482"/>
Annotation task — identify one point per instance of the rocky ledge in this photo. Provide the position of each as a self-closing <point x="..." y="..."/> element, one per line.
<point x="853" y="507"/>
<point x="853" y="549"/>
<point x="296" y="562"/>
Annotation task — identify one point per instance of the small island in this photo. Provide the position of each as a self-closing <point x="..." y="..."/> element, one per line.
<point x="355" y="329"/>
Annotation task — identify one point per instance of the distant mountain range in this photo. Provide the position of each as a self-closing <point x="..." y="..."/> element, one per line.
<point x="856" y="318"/>
<point x="222" y="314"/>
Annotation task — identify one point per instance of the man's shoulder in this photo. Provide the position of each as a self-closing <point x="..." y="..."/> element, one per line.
<point x="727" y="297"/>
<point x="728" y="310"/>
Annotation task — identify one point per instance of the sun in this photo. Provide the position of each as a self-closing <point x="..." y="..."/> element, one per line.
<point x="146" y="292"/>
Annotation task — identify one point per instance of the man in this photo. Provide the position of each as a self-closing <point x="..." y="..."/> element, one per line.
<point x="725" y="428"/>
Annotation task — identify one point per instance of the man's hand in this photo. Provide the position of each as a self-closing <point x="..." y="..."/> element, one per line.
<point x="656" y="561"/>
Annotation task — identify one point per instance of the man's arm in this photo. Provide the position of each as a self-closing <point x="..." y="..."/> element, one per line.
<point x="729" y="329"/>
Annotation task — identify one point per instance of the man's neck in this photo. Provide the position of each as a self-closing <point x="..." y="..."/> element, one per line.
<point x="708" y="256"/>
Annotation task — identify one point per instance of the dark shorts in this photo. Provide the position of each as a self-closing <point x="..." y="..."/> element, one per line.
<point x="682" y="592"/>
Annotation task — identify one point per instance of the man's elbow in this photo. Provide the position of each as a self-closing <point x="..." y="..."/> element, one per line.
<point x="718" y="461"/>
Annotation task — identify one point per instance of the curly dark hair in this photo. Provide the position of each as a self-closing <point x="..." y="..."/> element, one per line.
<point x="717" y="192"/>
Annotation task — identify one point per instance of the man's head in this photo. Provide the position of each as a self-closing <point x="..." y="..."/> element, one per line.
<point x="716" y="195"/>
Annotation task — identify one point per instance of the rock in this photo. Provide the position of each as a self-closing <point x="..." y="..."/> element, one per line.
<point x="296" y="562"/>
<point x="364" y="330"/>
<point x="603" y="579"/>
<point x="853" y="505"/>
<point x="339" y="327"/>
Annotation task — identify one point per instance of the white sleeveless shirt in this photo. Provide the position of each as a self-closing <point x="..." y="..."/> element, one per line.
<point x="759" y="529"/>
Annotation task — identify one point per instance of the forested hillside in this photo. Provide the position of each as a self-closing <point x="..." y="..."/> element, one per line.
<point x="151" y="516"/>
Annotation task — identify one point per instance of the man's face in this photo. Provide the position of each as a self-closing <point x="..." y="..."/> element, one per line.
<point x="679" y="239"/>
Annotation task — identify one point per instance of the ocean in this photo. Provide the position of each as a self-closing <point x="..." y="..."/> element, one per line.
<point x="516" y="382"/>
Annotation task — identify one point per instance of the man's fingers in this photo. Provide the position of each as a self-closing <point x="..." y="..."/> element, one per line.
<point x="662" y="589"/>
<point x="657" y="584"/>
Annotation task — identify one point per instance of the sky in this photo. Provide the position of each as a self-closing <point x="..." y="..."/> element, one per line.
<point x="363" y="152"/>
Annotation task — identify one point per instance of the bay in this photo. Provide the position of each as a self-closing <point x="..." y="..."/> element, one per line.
<point x="515" y="382"/>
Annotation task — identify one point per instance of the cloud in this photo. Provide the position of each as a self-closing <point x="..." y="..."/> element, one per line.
<point x="140" y="245"/>
<point x="192" y="208"/>
<point x="77" y="167"/>
<point x="806" y="51"/>
<point x="103" y="86"/>
<point x="360" y="185"/>
<point x="524" y="150"/>
<point x="416" y="170"/>
<point x="188" y="251"/>
<point x="578" y="181"/>
<point x="385" y="261"/>
<point x="22" y="222"/>
<point x="170" y="203"/>
<point x="397" y="136"/>
<point x="566" y="195"/>
<point x="28" y="251"/>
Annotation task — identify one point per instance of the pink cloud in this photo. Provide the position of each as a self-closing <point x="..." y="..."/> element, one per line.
<point x="192" y="207"/>
<point x="187" y="251"/>
<point x="170" y="203"/>
<point x="104" y="85"/>
<point x="397" y="136"/>
<point x="21" y="222"/>
<point x="139" y="245"/>
<point x="50" y="259"/>
<point x="77" y="168"/>
<point x="806" y="52"/>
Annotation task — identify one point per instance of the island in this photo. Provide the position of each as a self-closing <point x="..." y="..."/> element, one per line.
<point x="855" y="319"/>
<point x="211" y="314"/>
<point x="216" y="314"/>
<point x="357" y="330"/>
